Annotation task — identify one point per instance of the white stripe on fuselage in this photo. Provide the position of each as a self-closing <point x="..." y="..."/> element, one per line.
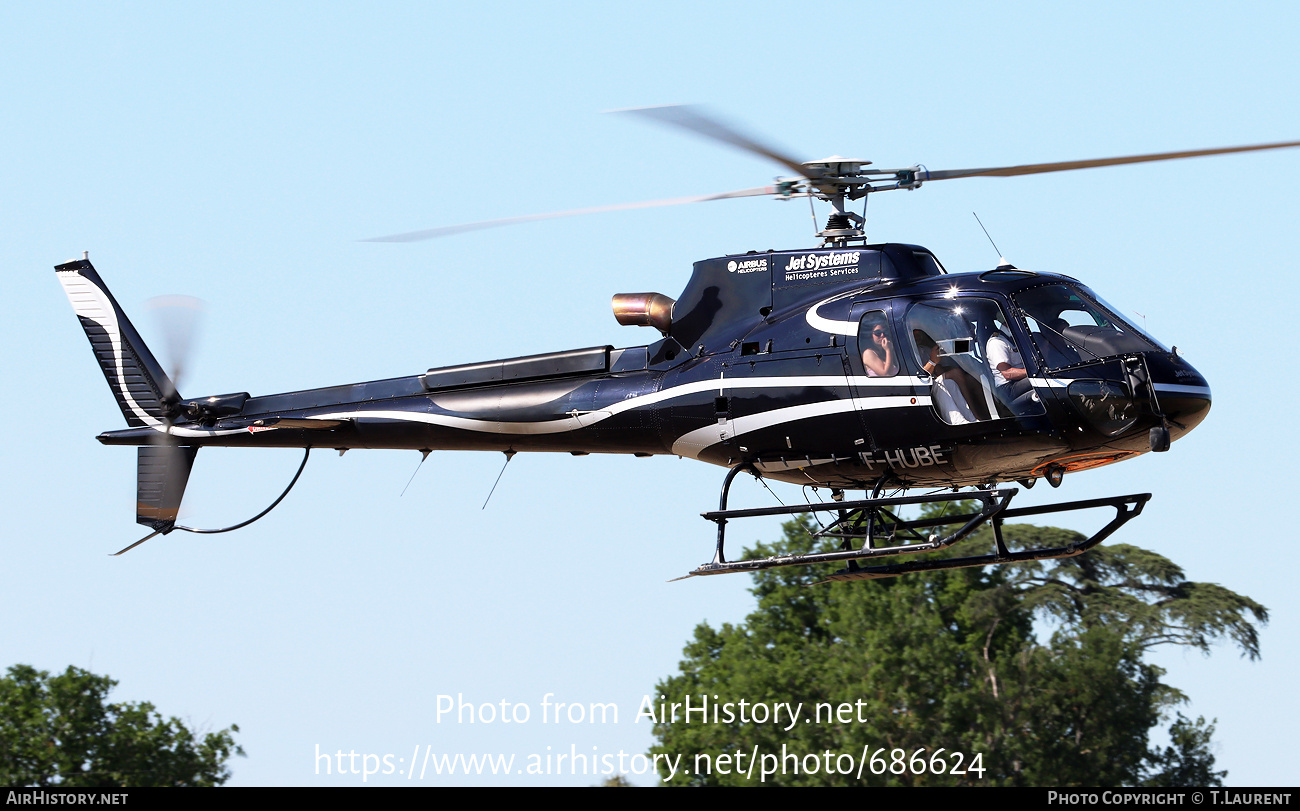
<point x="693" y="442"/>
<point x="1167" y="388"/>
<point x="1178" y="388"/>
<point x="752" y="422"/>
<point x="819" y="322"/>
<point x="577" y="421"/>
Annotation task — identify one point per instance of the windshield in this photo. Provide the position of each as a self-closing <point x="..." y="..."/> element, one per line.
<point x="1118" y="314"/>
<point x="1067" y="328"/>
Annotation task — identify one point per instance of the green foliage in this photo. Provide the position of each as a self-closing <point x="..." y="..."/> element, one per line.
<point x="953" y="660"/>
<point x="1186" y="762"/>
<point x="61" y="731"/>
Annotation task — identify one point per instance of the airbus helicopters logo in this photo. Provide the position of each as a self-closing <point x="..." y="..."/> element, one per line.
<point x="747" y="265"/>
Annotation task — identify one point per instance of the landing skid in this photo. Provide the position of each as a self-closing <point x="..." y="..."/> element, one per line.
<point x="869" y="529"/>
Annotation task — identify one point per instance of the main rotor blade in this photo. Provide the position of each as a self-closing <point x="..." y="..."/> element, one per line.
<point x="449" y="230"/>
<point x="1065" y="166"/>
<point x="692" y="119"/>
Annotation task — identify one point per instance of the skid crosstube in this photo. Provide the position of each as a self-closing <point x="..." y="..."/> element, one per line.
<point x="882" y="534"/>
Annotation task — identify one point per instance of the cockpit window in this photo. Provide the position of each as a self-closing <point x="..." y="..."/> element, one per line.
<point x="1067" y="328"/>
<point x="964" y="347"/>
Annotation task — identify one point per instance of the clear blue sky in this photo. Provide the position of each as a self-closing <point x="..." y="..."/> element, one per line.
<point x="238" y="153"/>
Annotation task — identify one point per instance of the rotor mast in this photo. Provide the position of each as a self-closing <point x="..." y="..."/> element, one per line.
<point x="839" y="181"/>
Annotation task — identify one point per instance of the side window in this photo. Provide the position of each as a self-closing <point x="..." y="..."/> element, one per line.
<point x="975" y="367"/>
<point x="879" y="349"/>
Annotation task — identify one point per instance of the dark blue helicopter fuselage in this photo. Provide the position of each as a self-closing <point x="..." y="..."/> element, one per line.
<point x="762" y="363"/>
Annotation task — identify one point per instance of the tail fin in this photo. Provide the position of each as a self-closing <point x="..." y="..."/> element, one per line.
<point x="142" y="388"/>
<point x="162" y="472"/>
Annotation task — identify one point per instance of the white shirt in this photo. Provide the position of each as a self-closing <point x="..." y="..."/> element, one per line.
<point x="1001" y="350"/>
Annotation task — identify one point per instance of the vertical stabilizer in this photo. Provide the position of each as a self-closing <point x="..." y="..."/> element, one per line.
<point x="135" y="377"/>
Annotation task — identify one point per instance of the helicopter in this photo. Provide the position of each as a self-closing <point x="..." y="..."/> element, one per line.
<point x="850" y="366"/>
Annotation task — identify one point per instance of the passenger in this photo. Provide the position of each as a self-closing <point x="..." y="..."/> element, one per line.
<point x="878" y="356"/>
<point x="949" y="399"/>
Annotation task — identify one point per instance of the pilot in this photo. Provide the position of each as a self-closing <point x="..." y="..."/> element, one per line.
<point x="878" y="356"/>
<point x="1010" y="380"/>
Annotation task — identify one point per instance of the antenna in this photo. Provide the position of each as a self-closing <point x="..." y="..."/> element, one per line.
<point x="510" y="454"/>
<point x="1002" y="260"/>
<point x="424" y="454"/>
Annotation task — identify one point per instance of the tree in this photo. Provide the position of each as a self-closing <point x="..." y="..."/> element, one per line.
<point x="61" y="731"/>
<point x="956" y="660"/>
